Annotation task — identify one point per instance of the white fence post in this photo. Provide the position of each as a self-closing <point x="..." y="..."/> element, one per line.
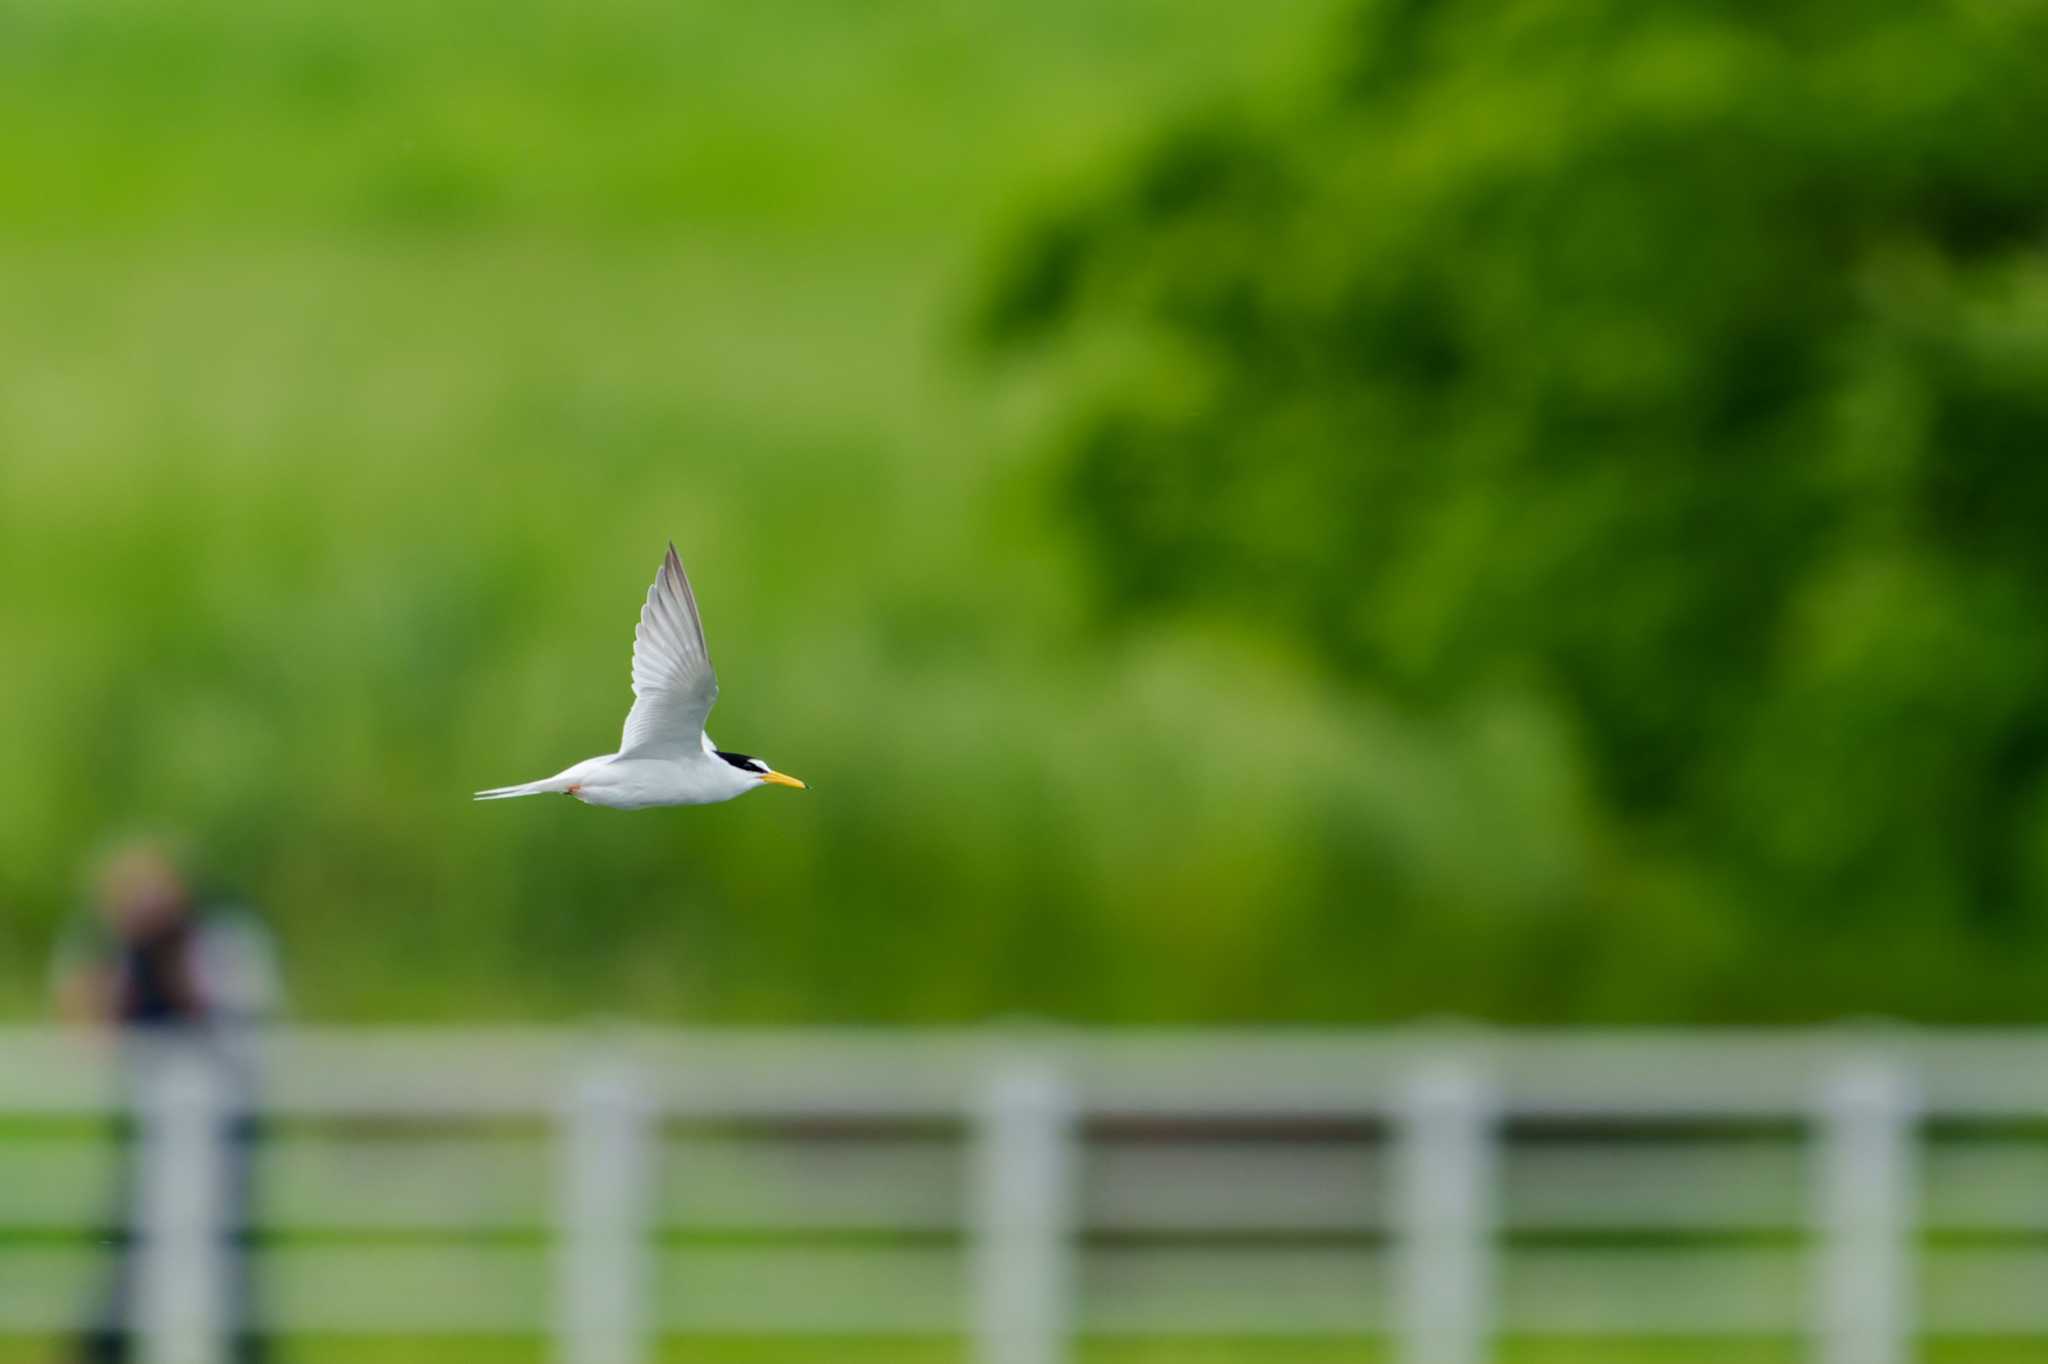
<point x="1022" y="1216"/>
<point x="1443" y="1248"/>
<point x="1864" y="1215"/>
<point x="180" y="1264"/>
<point x="601" y="1310"/>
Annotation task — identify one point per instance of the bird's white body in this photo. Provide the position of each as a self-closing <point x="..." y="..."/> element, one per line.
<point x="665" y="757"/>
<point x="623" y="783"/>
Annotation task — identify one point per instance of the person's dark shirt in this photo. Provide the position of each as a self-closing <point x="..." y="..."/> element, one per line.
<point x="155" y="975"/>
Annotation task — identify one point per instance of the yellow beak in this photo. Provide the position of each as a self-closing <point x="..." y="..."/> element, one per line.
<point x="783" y="779"/>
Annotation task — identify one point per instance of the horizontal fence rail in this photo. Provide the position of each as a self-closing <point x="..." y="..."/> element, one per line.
<point x="1436" y="1189"/>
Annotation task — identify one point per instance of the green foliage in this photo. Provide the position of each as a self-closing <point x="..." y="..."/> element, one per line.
<point x="359" y="359"/>
<point x="1661" y="387"/>
<point x="1566" y="478"/>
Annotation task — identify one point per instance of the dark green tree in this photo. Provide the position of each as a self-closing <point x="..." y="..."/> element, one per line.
<point x="1680" y="368"/>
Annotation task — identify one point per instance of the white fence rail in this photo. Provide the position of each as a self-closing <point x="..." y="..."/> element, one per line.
<point x="1445" y="1190"/>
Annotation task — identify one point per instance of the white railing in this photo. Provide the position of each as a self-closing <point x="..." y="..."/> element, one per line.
<point x="1445" y="1189"/>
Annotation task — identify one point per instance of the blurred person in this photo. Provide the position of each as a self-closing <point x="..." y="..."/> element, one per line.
<point x="162" y="966"/>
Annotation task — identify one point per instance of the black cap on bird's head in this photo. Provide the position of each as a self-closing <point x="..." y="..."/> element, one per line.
<point x="748" y="763"/>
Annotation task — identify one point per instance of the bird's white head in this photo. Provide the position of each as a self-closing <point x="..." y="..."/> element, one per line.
<point x="759" y="770"/>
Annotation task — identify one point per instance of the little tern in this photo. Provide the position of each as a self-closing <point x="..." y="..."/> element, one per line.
<point x="664" y="757"/>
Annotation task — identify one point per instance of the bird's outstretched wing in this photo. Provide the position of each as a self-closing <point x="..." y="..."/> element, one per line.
<point x="673" y="684"/>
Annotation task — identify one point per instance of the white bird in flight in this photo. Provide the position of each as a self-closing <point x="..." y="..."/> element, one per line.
<point x="665" y="757"/>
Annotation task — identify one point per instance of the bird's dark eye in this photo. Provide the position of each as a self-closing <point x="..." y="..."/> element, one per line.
<point x="744" y="762"/>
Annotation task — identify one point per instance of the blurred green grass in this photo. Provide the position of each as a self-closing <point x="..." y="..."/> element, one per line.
<point x="360" y="360"/>
<point x="465" y="1350"/>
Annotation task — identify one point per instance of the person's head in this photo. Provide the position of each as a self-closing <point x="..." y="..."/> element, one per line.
<point x="140" y="887"/>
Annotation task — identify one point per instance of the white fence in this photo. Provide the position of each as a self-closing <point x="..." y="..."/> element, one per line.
<point x="1442" y="1190"/>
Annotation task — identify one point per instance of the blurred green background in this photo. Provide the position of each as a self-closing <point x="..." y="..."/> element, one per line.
<point x="1306" y="511"/>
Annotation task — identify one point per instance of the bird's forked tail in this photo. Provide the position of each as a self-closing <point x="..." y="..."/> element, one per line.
<point x="531" y="788"/>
